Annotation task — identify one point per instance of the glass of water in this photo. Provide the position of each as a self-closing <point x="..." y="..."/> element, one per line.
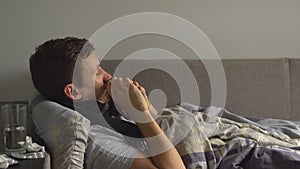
<point x="14" y="127"/>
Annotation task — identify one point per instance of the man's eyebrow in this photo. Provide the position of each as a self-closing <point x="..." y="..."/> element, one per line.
<point x="98" y="65"/>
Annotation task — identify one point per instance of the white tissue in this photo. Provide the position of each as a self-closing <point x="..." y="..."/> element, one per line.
<point x="6" y="161"/>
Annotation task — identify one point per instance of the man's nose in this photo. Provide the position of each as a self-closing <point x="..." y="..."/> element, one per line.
<point x="107" y="76"/>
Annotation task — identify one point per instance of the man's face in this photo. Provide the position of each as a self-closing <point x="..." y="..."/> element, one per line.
<point x="93" y="76"/>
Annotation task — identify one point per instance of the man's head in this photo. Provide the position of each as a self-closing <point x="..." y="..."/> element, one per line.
<point x="52" y="66"/>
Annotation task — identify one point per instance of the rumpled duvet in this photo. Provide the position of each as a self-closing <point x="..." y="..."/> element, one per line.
<point x="215" y="138"/>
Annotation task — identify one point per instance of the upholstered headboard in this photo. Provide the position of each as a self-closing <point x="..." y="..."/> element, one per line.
<point x="254" y="87"/>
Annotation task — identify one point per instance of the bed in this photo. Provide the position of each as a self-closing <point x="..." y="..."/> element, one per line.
<point x="248" y="134"/>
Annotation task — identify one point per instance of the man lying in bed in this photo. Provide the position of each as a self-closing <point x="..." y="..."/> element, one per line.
<point x="214" y="138"/>
<point x="52" y="68"/>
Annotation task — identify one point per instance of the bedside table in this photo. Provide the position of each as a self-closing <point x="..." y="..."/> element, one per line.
<point x="29" y="164"/>
<point x="41" y="163"/>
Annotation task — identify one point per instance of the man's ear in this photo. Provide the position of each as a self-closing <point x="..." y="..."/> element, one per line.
<point x="72" y="92"/>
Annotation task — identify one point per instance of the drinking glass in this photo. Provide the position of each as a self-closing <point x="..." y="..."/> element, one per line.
<point x="14" y="116"/>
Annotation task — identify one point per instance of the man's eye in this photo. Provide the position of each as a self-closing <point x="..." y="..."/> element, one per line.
<point x="98" y="72"/>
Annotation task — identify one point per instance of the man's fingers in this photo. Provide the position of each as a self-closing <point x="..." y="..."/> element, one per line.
<point x="141" y="88"/>
<point x="124" y="84"/>
<point x="135" y="83"/>
<point x="120" y="83"/>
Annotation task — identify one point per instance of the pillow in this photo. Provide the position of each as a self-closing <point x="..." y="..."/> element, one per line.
<point x="64" y="131"/>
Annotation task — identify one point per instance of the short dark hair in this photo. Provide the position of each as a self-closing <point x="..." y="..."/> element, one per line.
<point x="52" y="65"/>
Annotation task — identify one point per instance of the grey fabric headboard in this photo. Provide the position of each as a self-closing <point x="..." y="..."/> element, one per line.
<point x="255" y="87"/>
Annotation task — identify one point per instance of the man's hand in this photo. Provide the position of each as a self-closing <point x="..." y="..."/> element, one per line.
<point x="132" y="98"/>
<point x="138" y="97"/>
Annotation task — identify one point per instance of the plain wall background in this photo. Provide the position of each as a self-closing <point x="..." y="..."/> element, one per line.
<point x="238" y="29"/>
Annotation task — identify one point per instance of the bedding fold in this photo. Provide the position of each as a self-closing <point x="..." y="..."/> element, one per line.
<point x="218" y="138"/>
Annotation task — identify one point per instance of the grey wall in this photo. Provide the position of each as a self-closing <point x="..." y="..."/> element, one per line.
<point x="238" y="29"/>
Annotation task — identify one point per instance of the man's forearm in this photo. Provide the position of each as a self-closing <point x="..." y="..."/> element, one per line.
<point x="158" y="141"/>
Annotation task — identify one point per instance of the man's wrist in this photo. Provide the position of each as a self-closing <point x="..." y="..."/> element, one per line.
<point x="141" y="116"/>
<point x="150" y="129"/>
